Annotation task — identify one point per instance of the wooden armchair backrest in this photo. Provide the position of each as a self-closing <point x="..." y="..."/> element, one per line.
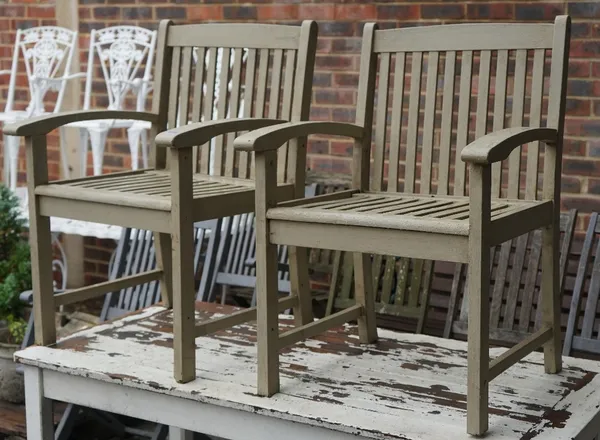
<point x="428" y="92"/>
<point x="265" y="72"/>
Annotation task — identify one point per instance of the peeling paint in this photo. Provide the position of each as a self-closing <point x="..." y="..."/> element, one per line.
<point x="403" y="387"/>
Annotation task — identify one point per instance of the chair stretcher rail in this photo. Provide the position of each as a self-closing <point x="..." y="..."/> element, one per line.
<point x="519" y="351"/>
<point x="214" y="325"/>
<point x="84" y="293"/>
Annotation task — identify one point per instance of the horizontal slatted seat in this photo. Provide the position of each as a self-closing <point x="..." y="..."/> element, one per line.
<point x="439" y="214"/>
<point x="146" y="189"/>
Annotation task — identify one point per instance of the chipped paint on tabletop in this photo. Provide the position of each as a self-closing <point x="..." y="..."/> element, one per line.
<point x="405" y="386"/>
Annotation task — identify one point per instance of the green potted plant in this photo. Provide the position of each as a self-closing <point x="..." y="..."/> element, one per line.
<point x="15" y="277"/>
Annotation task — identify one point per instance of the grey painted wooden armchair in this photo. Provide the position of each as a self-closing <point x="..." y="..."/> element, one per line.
<point x="271" y="79"/>
<point x="432" y="208"/>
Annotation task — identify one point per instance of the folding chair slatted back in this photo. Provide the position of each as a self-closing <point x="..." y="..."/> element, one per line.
<point x="402" y="286"/>
<point x="136" y="254"/>
<point x="237" y="248"/>
<point x="583" y="325"/>
<point x="515" y="275"/>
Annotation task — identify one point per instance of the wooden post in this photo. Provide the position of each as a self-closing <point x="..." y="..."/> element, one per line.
<point x="266" y="277"/>
<point x="41" y="244"/>
<point x="478" y="284"/>
<point x="67" y="16"/>
<point x="38" y="408"/>
<point x="182" y="264"/>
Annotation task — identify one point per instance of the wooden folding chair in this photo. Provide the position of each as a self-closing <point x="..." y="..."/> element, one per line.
<point x="515" y="309"/>
<point x="583" y="325"/>
<point x="429" y="214"/>
<point x="276" y="75"/>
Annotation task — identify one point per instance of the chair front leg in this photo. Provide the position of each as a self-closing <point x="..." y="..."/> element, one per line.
<point x="41" y="244"/>
<point x="182" y="236"/>
<point x="267" y="319"/>
<point x="550" y="295"/>
<point x="478" y="285"/>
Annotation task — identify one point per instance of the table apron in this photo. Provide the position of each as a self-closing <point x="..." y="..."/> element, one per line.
<point x="229" y="423"/>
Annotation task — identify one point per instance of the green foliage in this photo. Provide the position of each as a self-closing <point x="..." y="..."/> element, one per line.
<point x="16" y="327"/>
<point x="15" y="263"/>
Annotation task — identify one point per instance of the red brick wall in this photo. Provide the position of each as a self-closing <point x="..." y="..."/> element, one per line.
<point x="336" y="74"/>
<point x="337" y="62"/>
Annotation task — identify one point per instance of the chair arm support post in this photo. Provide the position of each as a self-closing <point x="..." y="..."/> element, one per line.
<point x="478" y="283"/>
<point x="267" y="319"/>
<point x="497" y="146"/>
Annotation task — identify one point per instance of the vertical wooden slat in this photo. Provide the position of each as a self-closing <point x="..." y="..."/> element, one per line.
<point x="381" y="122"/>
<point x="198" y="94"/>
<point x="514" y="286"/>
<point x="446" y="128"/>
<point x="533" y="265"/>
<point x="209" y="102"/>
<point x="160" y="95"/>
<point x="388" y="277"/>
<point x="234" y="106"/>
<point x="397" y="99"/>
<point x="514" y="160"/>
<point x="223" y="98"/>
<point x="174" y="87"/>
<point x="462" y="132"/>
<point x="275" y="93"/>
<point x="261" y="92"/>
<point x="249" y="82"/>
<point x="184" y="99"/>
<point x="429" y="122"/>
<point x="286" y="109"/>
<point x="413" y="121"/>
<point x="361" y="154"/>
<point x="499" y="114"/>
<point x="301" y="104"/>
<point x="535" y="120"/>
<point x="483" y="89"/>
<point x="276" y="76"/>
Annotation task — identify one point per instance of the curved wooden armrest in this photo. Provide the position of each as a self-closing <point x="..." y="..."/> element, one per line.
<point x="496" y="146"/>
<point x="45" y="124"/>
<point x="201" y="132"/>
<point x="271" y="138"/>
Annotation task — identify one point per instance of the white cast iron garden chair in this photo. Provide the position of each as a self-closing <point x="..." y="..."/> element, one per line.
<point x="125" y="55"/>
<point x="47" y="53"/>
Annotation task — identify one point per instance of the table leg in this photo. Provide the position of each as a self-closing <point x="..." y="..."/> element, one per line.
<point x="180" y="434"/>
<point x="38" y="408"/>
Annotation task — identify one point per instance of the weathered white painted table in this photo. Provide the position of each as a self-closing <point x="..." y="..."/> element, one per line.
<point x="404" y="387"/>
